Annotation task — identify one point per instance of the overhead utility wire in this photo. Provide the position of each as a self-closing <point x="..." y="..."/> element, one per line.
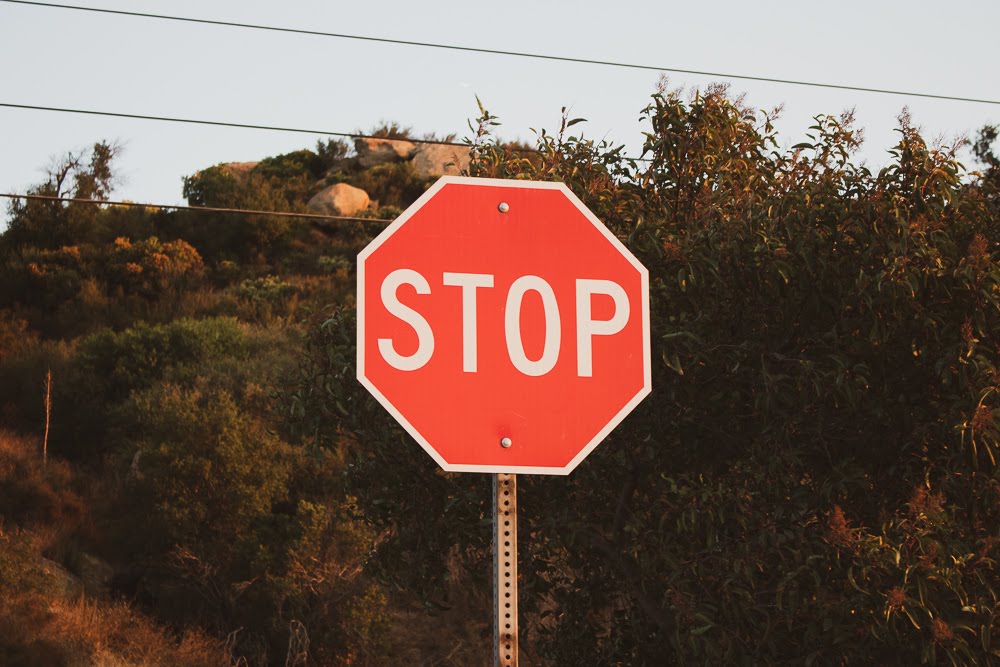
<point x="204" y="209"/>
<point x="501" y="52"/>
<point x="219" y="123"/>
<point x="273" y="128"/>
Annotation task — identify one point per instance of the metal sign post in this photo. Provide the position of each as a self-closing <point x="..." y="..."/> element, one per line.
<point x="505" y="570"/>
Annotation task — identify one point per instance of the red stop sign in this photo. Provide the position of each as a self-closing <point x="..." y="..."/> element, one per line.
<point x="503" y="326"/>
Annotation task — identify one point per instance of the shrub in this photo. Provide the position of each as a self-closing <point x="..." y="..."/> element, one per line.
<point x="15" y="335"/>
<point x="813" y="479"/>
<point x="43" y="278"/>
<point x="22" y="383"/>
<point x="49" y="225"/>
<point x="219" y="521"/>
<point x="335" y="264"/>
<point x="269" y="289"/>
<point x="291" y="166"/>
<point x="221" y="236"/>
<point x="151" y="267"/>
<point x="42" y="623"/>
<point x="135" y="358"/>
<point x="33" y="495"/>
<point x="205" y="471"/>
<point x="91" y="378"/>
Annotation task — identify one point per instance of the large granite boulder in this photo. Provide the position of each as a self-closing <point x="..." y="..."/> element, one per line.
<point x="339" y="199"/>
<point x="440" y="160"/>
<point x="373" y="152"/>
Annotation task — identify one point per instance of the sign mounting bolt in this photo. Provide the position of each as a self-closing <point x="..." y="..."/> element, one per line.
<point x="503" y="207"/>
<point x="506" y="443"/>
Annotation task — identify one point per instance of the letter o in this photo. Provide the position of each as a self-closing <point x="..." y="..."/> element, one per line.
<point x="512" y="326"/>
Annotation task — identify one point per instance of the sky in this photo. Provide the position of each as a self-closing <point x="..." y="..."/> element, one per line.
<point x="66" y="58"/>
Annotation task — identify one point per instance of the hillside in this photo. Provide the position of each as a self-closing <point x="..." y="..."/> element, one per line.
<point x="813" y="479"/>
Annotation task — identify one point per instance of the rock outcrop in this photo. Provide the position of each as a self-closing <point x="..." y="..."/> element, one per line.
<point x="339" y="199"/>
<point x="427" y="159"/>
<point x="440" y="160"/>
<point x="373" y="152"/>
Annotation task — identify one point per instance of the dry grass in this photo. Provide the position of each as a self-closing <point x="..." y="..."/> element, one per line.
<point x="38" y="630"/>
<point x="44" y="620"/>
<point x="14" y="446"/>
<point x="33" y="494"/>
<point x="114" y="633"/>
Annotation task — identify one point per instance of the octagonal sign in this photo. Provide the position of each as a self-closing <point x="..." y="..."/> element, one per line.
<point x="503" y="326"/>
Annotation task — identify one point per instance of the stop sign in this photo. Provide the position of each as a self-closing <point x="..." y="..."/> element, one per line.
<point x="503" y="326"/>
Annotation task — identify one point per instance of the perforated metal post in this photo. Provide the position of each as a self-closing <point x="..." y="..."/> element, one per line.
<point x="505" y="570"/>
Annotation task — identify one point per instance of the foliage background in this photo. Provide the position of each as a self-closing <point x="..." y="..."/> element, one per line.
<point x="813" y="479"/>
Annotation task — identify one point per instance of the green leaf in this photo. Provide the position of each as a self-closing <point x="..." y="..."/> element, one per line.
<point x="673" y="362"/>
<point x="785" y="270"/>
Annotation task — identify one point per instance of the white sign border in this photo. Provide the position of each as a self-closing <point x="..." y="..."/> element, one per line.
<point x="397" y="415"/>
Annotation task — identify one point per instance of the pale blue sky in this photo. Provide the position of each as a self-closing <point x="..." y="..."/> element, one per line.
<point x="76" y="59"/>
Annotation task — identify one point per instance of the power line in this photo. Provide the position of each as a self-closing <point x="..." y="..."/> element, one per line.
<point x="202" y="209"/>
<point x="272" y="128"/>
<point x="219" y="123"/>
<point x="501" y="52"/>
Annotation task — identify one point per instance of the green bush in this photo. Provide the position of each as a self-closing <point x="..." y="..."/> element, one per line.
<point x="291" y="166"/>
<point x="135" y="358"/>
<point x="231" y="525"/>
<point x="43" y="278"/>
<point x="204" y="472"/>
<point x="248" y="238"/>
<point x="335" y="264"/>
<point x="96" y="374"/>
<point x="49" y="225"/>
<point x="22" y="383"/>
<point x="73" y="290"/>
<point x="15" y="335"/>
<point x="813" y="479"/>
<point x="269" y="289"/>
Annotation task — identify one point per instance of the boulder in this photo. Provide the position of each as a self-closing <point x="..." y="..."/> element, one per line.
<point x="440" y="160"/>
<point x="339" y="199"/>
<point x="372" y="152"/>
